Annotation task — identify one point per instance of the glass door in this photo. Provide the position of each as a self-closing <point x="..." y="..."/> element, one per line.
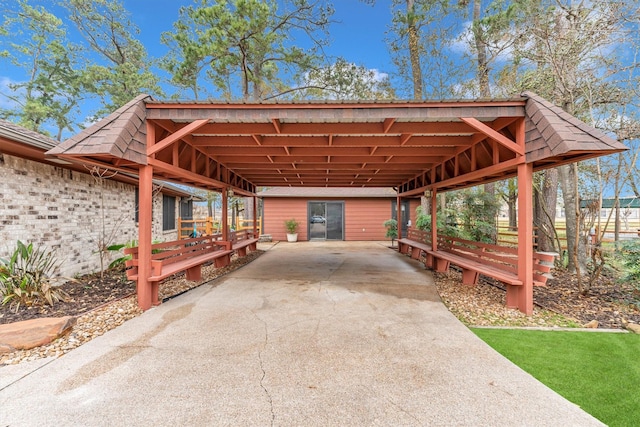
<point x="335" y="221"/>
<point x="317" y="220"/>
<point x="404" y="208"/>
<point x="326" y="220"/>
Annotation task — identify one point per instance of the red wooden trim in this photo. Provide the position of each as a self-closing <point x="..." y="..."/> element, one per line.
<point x="334" y="106"/>
<point x="494" y="135"/>
<point x="177" y="135"/>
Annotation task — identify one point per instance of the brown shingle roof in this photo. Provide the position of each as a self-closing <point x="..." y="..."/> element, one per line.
<point x="121" y="134"/>
<point x="15" y="132"/>
<point x="552" y="132"/>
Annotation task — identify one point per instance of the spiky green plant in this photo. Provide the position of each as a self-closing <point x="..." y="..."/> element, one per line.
<point x="26" y="277"/>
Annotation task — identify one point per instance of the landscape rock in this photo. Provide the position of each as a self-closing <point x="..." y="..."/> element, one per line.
<point x="592" y="325"/>
<point x="33" y="333"/>
<point x="633" y="327"/>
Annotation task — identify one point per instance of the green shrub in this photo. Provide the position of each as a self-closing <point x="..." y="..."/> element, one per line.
<point x="392" y="229"/>
<point x="291" y="225"/>
<point x="25" y="278"/>
<point x="446" y="223"/>
<point x="630" y="256"/>
<point x="120" y="261"/>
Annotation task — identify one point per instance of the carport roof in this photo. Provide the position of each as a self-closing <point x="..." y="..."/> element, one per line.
<point x="408" y="145"/>
<point x="342" y="192"/>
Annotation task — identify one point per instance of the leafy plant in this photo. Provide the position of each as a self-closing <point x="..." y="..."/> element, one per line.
<point x="291" y="225"/>
<point x="446" y="223"/>
<point x="392" y="229"/>
<point x="120" y="261"/>
<point x="478" y="215"/>
<point x="117" y="248"/>
<point x="630" y="256"/>
<point x="25" y="278"/>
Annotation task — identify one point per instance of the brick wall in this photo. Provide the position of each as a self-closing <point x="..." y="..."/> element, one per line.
<point x="61" y="209"/>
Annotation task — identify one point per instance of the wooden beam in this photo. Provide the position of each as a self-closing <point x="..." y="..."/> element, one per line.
<point x="386" y="125"/>
<point x="404" y="138"/>
<point x="277" y="125"/>
<point x="176" y="136"/>
<point x="493" y="134"/>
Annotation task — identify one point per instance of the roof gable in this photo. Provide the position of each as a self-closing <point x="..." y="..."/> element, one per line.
<point x="122" y="134"/>
<point x="551" y="132"/>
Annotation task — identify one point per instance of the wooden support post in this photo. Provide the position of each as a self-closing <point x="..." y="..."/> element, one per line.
<point x="434" y="219"/>
<point x="145" y="206"/>
<point x="225" y="219"/>
<point x="399" y="215"/>
<point x="255" y="216"/>
<point x="522" y="296"/>
<point x="209" y="226"/>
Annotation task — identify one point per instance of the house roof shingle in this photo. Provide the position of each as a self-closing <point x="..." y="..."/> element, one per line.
<point x="122" y="135"/>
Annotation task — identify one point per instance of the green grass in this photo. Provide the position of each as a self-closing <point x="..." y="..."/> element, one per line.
<point x="598" y="371"/>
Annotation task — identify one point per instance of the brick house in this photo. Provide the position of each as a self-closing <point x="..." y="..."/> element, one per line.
<point x="56" y="204"/>
<point x="333" y="213"/>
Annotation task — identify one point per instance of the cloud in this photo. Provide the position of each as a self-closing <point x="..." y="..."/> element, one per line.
<point x="464" y="44"/>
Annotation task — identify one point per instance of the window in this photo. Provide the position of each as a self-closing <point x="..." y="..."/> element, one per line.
<point x="168" y="213"/>
<point x="186" y="209"/>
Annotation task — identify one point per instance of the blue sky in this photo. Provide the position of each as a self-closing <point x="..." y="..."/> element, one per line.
<point x="358" y="35"/>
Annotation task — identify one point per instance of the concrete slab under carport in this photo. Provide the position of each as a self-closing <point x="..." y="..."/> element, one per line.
<point x="318" y="333"/>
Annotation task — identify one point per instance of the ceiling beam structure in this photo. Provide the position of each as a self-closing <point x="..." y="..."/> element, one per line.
<point x="408" y="145"/>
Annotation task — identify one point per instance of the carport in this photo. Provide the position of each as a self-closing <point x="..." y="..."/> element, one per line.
<point x="419" y="148"/>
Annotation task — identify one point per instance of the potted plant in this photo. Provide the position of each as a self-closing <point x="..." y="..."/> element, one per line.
<point x="392" y="229"/>
<point x="292" y="230"/>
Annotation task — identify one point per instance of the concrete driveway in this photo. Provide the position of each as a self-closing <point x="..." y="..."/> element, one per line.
<point x="309" y="334"/>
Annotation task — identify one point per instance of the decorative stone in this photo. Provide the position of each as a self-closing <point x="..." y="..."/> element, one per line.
<point x="592" y="325"/>
<point x="633" y="327"/>
<point x="33" y="333"/>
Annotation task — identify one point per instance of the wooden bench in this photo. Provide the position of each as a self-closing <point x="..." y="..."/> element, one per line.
<point x="188" y="255"/>
<point x="241" y="240"/>
<point x="499" y="262"/>
<point x="416" y="242"/>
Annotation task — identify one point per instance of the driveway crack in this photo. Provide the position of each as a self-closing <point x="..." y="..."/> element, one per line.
<point x="264" y="372"/>
<point x="401" y="409"/>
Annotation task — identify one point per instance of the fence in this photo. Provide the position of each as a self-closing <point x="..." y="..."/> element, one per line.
<point x="509" y="236"/>
<point x="208" y="226"/>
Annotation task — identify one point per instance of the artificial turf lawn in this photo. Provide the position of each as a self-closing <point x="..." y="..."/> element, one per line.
<point x="598" y="371"/>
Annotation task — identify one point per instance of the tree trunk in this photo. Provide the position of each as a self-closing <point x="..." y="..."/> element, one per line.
<point x="481" y="50"/>
<point x="576" y="246"/>
<point x="414" y="50"/>
<point x="512" y="201"/>
<point x="546" y="198"/>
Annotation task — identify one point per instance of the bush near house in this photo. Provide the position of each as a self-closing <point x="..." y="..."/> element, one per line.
<point x="26" y="277"/>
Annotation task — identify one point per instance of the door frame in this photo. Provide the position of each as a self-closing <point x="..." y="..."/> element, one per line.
<point x="342" y="225"/>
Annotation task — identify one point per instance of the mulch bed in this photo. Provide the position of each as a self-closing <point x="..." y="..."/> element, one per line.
<point x="609" y="301"/>
<point x="85" y="294"/>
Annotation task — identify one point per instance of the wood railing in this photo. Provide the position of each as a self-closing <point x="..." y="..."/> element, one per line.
<point x="209" y="226"/>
